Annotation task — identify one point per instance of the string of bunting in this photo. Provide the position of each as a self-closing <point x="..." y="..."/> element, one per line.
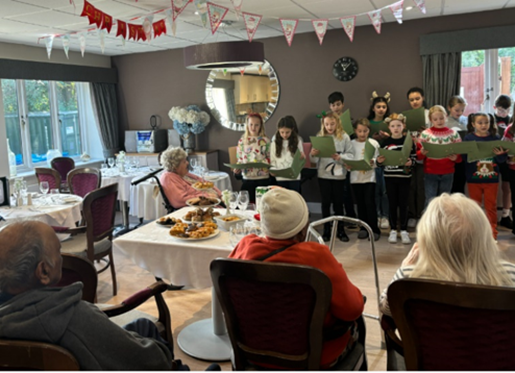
<point x="213" y="13"/>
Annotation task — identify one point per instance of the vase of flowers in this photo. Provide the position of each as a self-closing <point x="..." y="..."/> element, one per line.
<point x="188" y="122"/>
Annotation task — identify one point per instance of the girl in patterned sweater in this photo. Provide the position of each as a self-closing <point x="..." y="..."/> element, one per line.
<point x="254" y="146"/>
<point x="438" y="173"/>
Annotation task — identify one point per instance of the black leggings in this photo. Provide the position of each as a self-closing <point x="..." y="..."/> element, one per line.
<point x="365" y="198"/>
<point x="397" y="189"/>
<point x="331" y="192"/>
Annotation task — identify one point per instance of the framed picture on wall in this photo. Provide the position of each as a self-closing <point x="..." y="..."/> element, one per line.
<point x="5" y="199"/>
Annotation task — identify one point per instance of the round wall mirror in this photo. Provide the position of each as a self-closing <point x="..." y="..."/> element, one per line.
<point x="231" y="95"/>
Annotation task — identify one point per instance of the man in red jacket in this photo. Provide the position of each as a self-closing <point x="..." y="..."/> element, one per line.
<point x="284" y="221"/>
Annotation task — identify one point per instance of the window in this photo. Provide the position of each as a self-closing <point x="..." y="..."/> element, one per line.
<point x="42" y="115"/>
<point x="485" y="74"/>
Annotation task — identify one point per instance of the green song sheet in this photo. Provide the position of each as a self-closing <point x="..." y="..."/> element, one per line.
<point x="324" y="144"/>
<point x="439" y="151"/>
<point x="376" y="127"/>
<point x="415" y="119"/>
<point x="397" y="157"/>
<point x="294" y="170"/>
<point x="362" y="164"/>
<point x="485" y="149"/>
<point x="244" y="166"/>
<point x="345" y="118"/>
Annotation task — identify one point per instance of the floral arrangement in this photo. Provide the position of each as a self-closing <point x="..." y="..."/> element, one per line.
<point x="189" y="119"/>
<point x="121" y="157"/>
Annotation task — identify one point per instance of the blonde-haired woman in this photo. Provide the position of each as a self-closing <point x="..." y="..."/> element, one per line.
<point x="454" y="243"/>
<point x="177" y="181"/>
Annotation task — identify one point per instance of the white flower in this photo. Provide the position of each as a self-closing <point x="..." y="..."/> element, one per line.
<point x="195" y="119"/>
<point x="204" y="118"/>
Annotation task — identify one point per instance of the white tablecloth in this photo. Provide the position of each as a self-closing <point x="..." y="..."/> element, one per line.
<point x="55" y="213"/>
<point x="221" y="180"/>
<point x="123" y="181"/>
<point x="182" y="262"/>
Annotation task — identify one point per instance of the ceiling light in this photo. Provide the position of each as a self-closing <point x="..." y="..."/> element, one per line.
<point x="408" y="8"/>
<point x="196" y="13"/>
<point x="223" y="55"/>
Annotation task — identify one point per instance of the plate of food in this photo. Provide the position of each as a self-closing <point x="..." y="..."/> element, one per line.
<point x="167" y="221"/>
<point x="194" y="231"/>
<point x="202" y="201"/>
<point x="226" y="221"/>
<point x="200" y="215"/>
<point x="203" y="185"/>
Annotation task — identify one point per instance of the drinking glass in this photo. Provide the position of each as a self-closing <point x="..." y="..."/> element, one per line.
<point x="23" y="189"/>
<point x="54" y="195"/>
<point x="233" y="201"/>
<point x="243" y="200"/>
<point x="236" y="233"/>
<point x="103" y="169"/>
<point x="43" y="187"/>
<point x="110" y="162"/>
<point x="194" y="165"/>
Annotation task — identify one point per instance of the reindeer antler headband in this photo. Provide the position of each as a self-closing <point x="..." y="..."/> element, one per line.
<point x="386" y="96"/>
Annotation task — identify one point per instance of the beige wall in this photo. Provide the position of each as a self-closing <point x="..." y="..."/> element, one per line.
<point x="152" y="83"/>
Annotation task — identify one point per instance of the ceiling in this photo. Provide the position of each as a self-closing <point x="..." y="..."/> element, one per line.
<point x="26" y="21"/>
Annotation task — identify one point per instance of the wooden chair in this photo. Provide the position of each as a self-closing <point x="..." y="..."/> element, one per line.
<point x="275" y="313"/>
<point x="81" y="181"/>
<point x="454" y="326"/>
<point x="48" y="174"/>
<point x="63" y="165"/>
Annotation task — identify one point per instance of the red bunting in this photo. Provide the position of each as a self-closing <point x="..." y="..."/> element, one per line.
<point x="133" y="32"/>
<point x="96" y="18"/>
<point x="88" y="10"/>
<point x="159" y="28"/>
<point x="108" y="22"/>
<point x="141" y="33"/>
<point x="122" y="29"/>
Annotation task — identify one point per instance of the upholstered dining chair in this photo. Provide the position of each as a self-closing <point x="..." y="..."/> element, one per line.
<point x="99" y="208"/>
<point x="48" y="174"/>
<point x="81" y="181"/>
<point x="275" y="313"/>
<point x="63" y="165"/>
<point x="454" y="326"/>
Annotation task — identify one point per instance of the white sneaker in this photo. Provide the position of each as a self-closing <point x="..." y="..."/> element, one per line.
<point x="405" y="238"/>
<point x="393" y="237"/>
<point x="412" y="223"/>
<point x="384" y="223"/>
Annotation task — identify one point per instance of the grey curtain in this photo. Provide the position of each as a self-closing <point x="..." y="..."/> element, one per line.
<point x="105" y="105"/>
<point x="441" y="77"/>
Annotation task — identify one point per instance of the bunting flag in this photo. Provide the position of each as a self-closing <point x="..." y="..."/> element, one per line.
<point x="260" y="69"/>
<point x="82" y="43"/>
<point x="421" y="4"/>
<point x="121" y="29"/>
<point x="66" y="44"/>
<point x="159" y="28"/>
<point x="202" y="10"/>
<point x="169" y="19"/>
<point x="97" y="18"/>
<point x="133" y="32"/>
<point x="88" y="10"/>
<point x="216" y="15"/>
<point x="252" y="22"/>
<point x="242" y="71"/>
<point x="349" y="24"/>
<point x="178" y="6"/>
<point x="289" y="26"/>
<point x="397" y="10"/>
<point x="237" y="7"/>
<point x="107" y="22"/>
<point x="101" y="36"/>
<point x="320" y="26"/>
<point x="48" y="43"/>
<point x="141" y="33"/>
<point x="147" y="27"/>
<point x="375" y="18"/>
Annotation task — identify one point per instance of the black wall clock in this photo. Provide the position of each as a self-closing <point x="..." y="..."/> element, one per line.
<point x="345" y="69"/>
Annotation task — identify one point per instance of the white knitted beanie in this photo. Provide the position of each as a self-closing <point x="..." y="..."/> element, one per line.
<point x="283" y="213"/>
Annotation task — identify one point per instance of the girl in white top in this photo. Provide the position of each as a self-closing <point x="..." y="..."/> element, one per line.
<point x="284" y="146"/>
<point x="364" y="182"/>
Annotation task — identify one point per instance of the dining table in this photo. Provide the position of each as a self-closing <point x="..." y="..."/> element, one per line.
<point x="185" y="262"/>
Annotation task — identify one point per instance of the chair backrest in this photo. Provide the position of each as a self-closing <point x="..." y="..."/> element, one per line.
<point x="81" y="181"/>
<point x="232" y="155"/>
<point x="76" y="268"/>
<point x="99" y="208"/>
<point x="306" y="146"/>
<point x="274" y="312"/>
<point x="63" y="165"/>
<point x="28" y="355"/>
<point x="454" y="326"/>
<point x="48" y="174"/>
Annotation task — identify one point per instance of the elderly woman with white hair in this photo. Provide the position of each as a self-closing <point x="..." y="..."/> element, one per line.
<point x="177" y="181"/>
<point x="454" y="243"/>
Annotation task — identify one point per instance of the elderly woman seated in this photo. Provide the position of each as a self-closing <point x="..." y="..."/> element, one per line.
<point x="177" y="182"/>
<point x="454" y="243"/>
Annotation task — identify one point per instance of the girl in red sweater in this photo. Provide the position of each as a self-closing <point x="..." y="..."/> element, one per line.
<point x="438" y="173"/>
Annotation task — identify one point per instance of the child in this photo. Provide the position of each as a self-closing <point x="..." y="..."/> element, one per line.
<point x="509" y="135"/>
<point x="363" y="182"/>
<point x="502" y="119"/>
<point x="379" y="110"/>
<point x="336" y="104"/>
<point x="417" y="195"/>
<point x="483" y="175"/>
<point x="398" y="178"/>
<point x="438" y="173"/>
<point x="458" y="122"/>
<point x="331" y="173"/>
<point x="254" y="146"/>
<point x="283" y="150"/>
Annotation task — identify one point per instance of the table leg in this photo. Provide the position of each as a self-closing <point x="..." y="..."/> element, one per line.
<point x="124" y="228"/>
<point x="207" y="339"/>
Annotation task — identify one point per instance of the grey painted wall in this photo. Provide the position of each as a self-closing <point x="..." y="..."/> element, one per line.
<point x="152" y="83"/>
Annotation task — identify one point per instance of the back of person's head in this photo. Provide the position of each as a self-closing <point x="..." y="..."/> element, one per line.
<point x="456" y="243"/>
<point x="415" y="90"/>
<point x="503" y="101"/>
<point x="284" y="213"/>
<point x="335" y="96"/>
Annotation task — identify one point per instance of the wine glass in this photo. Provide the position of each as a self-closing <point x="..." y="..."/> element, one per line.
<point x="23" y="190"/>
<point x="194" y="164"/>
<point x="243" y="200"/>
<point x="233" y="201"/>
<point x="44" y="187"/>
<point x="236" y="233"/>
<point x="103" y="169"/>
<point x="110" y="162"/>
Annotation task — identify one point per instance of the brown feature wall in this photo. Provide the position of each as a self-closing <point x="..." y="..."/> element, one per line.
<point x="151" y="83"/>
